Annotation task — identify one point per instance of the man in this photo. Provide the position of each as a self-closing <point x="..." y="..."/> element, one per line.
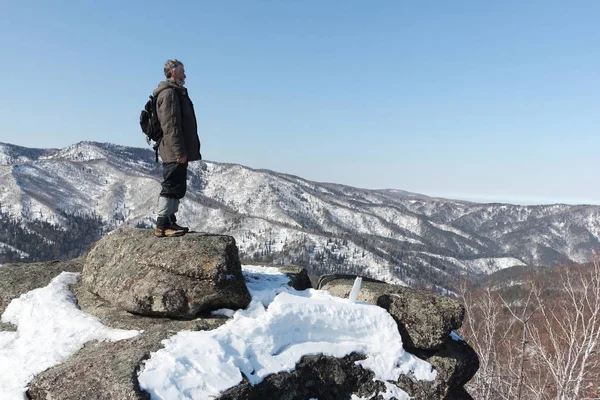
<point x="178" y="146"/>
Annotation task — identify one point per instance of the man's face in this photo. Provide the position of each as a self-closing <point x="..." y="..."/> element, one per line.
<point x="179" y="74"/>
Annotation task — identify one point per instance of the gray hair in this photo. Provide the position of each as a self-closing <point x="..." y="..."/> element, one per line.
<point x="170" y="65"/>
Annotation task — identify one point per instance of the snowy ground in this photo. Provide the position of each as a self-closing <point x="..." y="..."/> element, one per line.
<point x="50" y="329"/>
<point x="279" y="327"/>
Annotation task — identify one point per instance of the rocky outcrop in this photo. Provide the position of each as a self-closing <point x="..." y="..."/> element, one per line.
<point x="175" y="277"/>
<point x="425" y="321"/>
<point x="122" y="268"/>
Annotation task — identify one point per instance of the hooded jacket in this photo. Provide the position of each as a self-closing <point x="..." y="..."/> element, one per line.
<point x="177" y="119"/>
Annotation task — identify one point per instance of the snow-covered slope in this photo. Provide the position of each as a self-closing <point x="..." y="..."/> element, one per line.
<point x="12" y="154"/>
<point x="391" y="235"/>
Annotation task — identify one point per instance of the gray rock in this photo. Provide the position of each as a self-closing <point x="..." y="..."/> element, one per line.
<point x="455" y="362"/>
<point x="424" y="319"/>
<point x="170" y="277"/>
<point x="115" y="317"/>
<point x="318" y="376"/>
<point x="18" y="279"/>
<point x="106" y="370"/>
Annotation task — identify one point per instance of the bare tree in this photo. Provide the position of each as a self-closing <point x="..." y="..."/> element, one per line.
<point x="488" y="334"/>
<point x="541" y="345"/>
<point x="527" y="310"/>
<point x="564" y="339"/>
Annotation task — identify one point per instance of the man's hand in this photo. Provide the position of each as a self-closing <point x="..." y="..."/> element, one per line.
<point x="182" y="160"/>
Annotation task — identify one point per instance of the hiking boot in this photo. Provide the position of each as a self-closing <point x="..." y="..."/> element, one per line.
<point x="173" y="221"/>
<point x="171" y="231"/>
<point x="181" y="228"/>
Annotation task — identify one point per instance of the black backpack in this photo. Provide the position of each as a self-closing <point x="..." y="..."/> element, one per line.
<point x="150" y="124"/>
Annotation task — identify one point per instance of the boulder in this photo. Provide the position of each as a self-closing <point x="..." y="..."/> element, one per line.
<point x="424" y="319"/>
<point x="115" y="317"/>
<point x="170" y="277"/>
<point x="455" y="362"/>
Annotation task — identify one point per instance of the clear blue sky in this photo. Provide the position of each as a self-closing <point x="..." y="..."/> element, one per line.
<point x="484" y="100"/>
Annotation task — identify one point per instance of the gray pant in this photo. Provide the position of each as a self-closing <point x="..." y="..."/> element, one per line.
<point x="167" y="207"/>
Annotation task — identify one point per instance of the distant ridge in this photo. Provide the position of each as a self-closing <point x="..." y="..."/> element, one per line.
<point x="388" y="234"/>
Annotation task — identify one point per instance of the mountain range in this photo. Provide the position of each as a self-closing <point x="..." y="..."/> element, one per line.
<point x="392" y="235"/>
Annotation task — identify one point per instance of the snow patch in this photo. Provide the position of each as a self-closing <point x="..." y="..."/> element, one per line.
<point x="50" y="328"/>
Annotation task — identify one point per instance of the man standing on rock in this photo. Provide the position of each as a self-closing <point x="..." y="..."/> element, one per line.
<point x="178" y="146"/>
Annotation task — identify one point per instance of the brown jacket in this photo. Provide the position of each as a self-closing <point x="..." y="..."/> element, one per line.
<point x="175" y="112"/>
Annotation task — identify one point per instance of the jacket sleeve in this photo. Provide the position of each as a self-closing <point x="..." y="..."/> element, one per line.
<point x="169" y="115"/>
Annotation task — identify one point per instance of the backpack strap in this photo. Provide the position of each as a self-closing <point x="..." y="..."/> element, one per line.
<point x="155" y="110"/>
<point x="155" y="147"/>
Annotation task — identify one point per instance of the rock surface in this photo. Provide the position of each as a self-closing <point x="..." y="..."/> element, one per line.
<point x="318" y="377"/>
<point x="116" y="317"/>
<point x="170" y="277"/>
<point x="455" y="362"/>
<point x="108" y="370"/>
